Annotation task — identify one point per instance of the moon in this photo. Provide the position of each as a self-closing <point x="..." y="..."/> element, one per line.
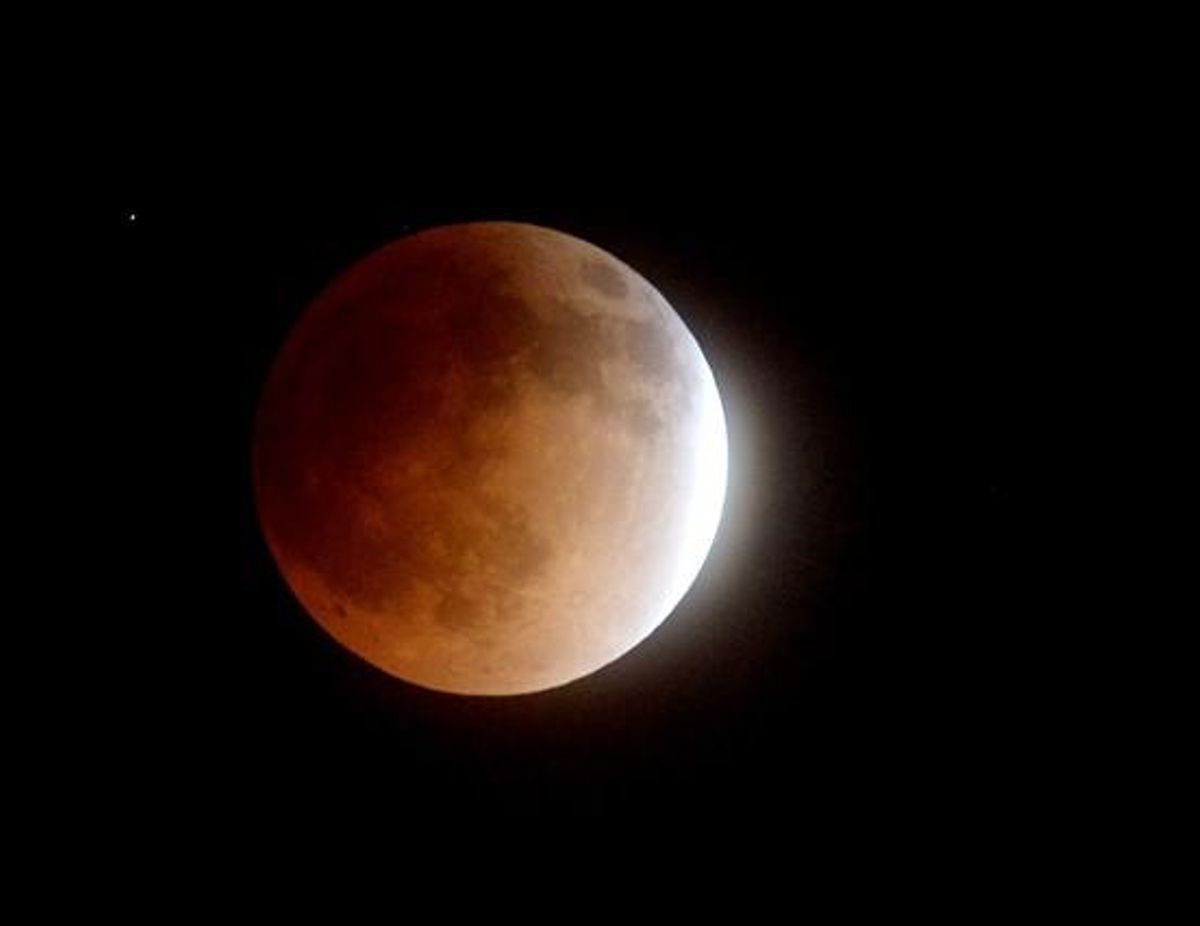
<point x="489" y="459"/>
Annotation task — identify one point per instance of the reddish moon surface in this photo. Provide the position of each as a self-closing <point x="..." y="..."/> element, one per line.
<point x="489" y="459"/>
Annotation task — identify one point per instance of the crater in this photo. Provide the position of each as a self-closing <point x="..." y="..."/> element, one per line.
<point x="642" y="419"/>
<point x="651" y="349"/>
<point x="605" y="279"/>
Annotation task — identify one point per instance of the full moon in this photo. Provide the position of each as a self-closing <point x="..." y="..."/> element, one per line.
<point x="489" y="459"/>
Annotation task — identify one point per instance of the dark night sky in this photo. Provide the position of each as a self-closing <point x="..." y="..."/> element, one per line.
<point x="827" y="671"/>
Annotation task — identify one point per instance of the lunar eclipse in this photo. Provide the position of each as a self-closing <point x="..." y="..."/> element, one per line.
<point x="489" y="459"/>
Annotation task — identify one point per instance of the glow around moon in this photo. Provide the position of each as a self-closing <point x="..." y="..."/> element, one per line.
<point x="490" y="459"/>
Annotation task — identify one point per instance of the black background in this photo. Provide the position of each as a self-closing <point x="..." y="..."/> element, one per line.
<point x="855" y="286"/>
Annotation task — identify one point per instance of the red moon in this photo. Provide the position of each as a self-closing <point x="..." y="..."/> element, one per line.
<point x="489" y="459"/>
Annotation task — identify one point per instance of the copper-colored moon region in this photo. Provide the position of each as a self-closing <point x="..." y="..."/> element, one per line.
<point x="490" y="459"/>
